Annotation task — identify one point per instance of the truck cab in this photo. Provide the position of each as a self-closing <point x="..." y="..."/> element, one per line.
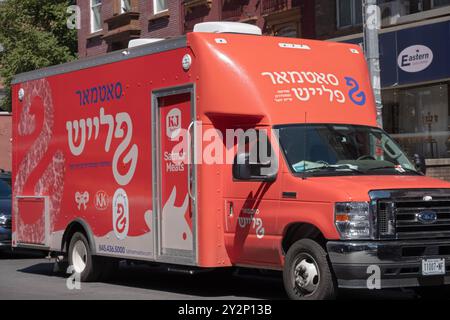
<point x="335" y="202"/>
<point x="355" y="212"/>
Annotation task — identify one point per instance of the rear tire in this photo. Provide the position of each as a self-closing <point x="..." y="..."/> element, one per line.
<point x="307" y="274"/>
<point x="86" y="266"/>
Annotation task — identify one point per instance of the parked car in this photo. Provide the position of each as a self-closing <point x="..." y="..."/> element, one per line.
<point x="5" y="176"/>
<point x="5" y="210"/>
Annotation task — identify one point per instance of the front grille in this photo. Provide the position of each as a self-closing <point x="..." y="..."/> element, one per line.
<point x="408" y="224"/>
<point x="382" y="217"/>
<point x="399" y="217"/>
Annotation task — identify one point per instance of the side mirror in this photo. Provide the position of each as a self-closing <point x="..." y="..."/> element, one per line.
<point x="419" y="162"/>
<point x="244" y="170"/>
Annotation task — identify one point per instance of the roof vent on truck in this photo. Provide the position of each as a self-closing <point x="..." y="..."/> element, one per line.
<point x="139" y="42"/>
<point x="227" y="27"/>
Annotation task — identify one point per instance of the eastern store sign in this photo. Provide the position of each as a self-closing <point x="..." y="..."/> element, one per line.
<point x="415" y="58"/>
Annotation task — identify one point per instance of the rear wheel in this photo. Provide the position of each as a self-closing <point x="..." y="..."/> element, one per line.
<point x="83" y="263"/>
<point x="307" y="274"/>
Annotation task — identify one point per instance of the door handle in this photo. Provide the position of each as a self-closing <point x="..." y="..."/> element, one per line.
<point x="289" y="195"/>
<point x="190" y="145"/>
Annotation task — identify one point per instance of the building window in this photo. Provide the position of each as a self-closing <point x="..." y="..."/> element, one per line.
<point x="349" y="13"/>
<point x="159" y="6"/>
<point x="96" y="16"/>
<point x="2" y="96"/>
<point x="393" y="10"/>
<point x="440" y="3"/>
<point x="125" y="6"/>
<point x="290" y="30"/>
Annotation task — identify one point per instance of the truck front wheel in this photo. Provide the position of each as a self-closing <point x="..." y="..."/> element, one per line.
<point x="307" y="274"/>
<point x="83" y="263"/>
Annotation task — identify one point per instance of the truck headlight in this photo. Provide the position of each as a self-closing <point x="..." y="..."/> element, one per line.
<point x="353" y="220"/>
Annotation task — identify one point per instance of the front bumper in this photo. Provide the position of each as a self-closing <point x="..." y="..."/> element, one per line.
<point x="399" y="262"/>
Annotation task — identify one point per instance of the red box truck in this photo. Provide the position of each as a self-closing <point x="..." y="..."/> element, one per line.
<point x="224" y="148"/>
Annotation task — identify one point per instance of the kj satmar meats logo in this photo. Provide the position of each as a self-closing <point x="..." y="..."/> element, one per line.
<point x="173" y="123"/>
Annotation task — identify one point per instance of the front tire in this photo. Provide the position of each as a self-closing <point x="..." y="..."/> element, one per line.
<point x="307" y="274"/>
<point x="84" y="264"/>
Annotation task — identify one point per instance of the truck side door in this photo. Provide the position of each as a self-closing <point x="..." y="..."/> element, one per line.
<point x="251" y="214"/>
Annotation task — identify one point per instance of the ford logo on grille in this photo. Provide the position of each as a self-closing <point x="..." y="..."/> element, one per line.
<point x="427" y="216"/>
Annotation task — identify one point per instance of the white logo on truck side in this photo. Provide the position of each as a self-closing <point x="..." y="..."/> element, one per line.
<point x="249" y="218"/>
<point x="81" y="199"/>
<point x="121" y="216"/>
<point x="173" y="219"/>
<point x="101" y="200"/>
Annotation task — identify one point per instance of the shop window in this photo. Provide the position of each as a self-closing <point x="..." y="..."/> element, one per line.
<point x="96" y="16"/>
<point x="159" y="6"/>
<point x="418" y="118"/>
<point x="349" y="13"/>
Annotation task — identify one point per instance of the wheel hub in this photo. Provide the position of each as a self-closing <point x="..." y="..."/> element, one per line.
<point x="306" y="275"/>
<point x="79" y="256"/>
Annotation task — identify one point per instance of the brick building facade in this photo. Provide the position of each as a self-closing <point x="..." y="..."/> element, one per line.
<point x="5" y="141"/>
<point x="313" y="19"/>
<point x="122" y="20"/>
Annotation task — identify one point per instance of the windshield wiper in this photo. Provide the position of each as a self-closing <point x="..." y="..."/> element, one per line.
<point x="333" y="168"/>
<point x="391" y="167"/>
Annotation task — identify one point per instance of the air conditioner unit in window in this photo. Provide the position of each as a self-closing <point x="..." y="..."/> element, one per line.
<point x="391" y="11"/>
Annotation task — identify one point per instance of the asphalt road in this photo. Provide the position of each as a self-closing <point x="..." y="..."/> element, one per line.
<point x="31" y="277"/>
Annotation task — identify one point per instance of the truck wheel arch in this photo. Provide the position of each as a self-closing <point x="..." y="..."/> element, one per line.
<point x="300" y="230"/>
<point x="81" y="226"/>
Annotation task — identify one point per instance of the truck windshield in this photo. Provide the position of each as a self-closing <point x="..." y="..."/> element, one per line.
<point x="329" y="149"/>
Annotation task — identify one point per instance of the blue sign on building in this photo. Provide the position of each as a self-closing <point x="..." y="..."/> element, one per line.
<point x="414" y="55"/>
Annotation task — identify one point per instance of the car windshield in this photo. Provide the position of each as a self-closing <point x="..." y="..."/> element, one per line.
<point x="5" y="190"/>
<point x="329" y="149"/>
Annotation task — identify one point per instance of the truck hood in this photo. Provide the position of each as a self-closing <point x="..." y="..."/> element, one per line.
<point x="357" y="187"/>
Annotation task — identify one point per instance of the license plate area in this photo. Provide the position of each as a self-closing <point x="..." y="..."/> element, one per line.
<point x="432" y="267"/>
